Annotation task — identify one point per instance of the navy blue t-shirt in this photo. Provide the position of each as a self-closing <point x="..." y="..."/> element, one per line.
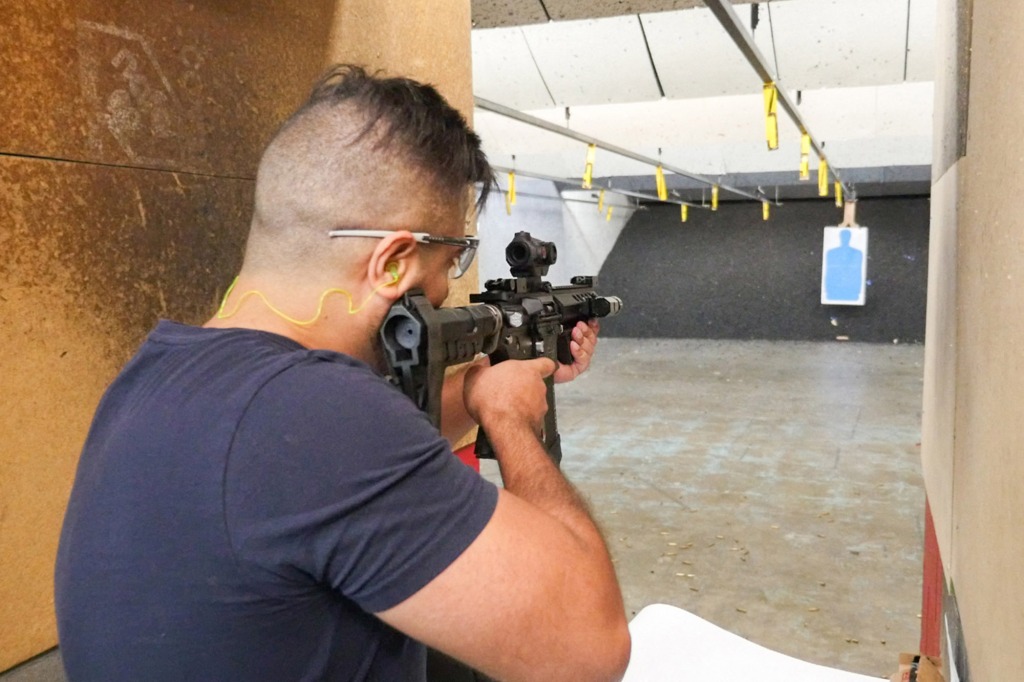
<point x="243" y="505"/>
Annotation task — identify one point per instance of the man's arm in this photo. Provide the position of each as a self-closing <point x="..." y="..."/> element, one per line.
<point x="456" y="421"/>
<point x="535" y="596"/>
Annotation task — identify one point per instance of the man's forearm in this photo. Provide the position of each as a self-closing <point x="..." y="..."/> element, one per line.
<point x="529" y="473"/>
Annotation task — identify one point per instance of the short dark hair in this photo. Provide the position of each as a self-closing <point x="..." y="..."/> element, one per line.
<point x="412" y="119"/>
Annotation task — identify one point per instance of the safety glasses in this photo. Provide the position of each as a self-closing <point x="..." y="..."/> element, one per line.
<point x="460" y="263"/>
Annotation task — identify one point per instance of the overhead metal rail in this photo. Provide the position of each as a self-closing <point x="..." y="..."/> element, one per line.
<point x="548" y="197"/>
<point x="606" y="187"/>
<point x="539" y="176"/>
<point x="509" y="112"/>
<point x="730" y="21"/>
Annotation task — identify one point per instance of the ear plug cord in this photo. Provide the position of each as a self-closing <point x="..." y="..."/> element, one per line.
<point x="221" y="315"/>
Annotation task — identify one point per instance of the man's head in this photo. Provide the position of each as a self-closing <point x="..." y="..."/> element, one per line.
<point x="363" y="152"/>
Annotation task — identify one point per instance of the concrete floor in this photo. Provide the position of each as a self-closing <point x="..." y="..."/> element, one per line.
<point x="772" y="488"/>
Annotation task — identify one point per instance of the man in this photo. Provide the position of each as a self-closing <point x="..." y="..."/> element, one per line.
<point x="256" y="502"/>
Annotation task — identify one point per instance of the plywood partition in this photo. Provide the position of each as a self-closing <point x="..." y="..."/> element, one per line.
<point x="427" y="41"/>
<point x="128" y="145"/>
<point x="988" y="463"/>
<point x="972" y="428"/>
<point x="949" y="147"/>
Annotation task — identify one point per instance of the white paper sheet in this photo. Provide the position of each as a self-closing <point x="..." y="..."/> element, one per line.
<point x="673" y="645"/>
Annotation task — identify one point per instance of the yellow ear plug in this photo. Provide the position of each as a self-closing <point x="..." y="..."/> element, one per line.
<point x="392" y="269"/>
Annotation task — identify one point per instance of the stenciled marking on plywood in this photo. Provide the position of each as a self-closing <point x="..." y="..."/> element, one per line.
<point x="134" y="108"/>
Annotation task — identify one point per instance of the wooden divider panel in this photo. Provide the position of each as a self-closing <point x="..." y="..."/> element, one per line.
<point x="128" y="144"/>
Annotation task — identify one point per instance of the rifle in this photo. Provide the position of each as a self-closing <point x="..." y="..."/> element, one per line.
<point x="514" y="319"/>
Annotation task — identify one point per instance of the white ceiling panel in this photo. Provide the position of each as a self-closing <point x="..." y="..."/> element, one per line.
<point x="882" y="111"/>
<point x="877" y="152"/>
<point x="504" y="70"/>
<point x="506" y="136"/>
<point x="826" y="43"/>
<point x="869" y="126"/>
<point x="695" y="57"/>
<point x="595" y="61"/>
<point x="921" y="58"/>
<point x="848" y="57"/>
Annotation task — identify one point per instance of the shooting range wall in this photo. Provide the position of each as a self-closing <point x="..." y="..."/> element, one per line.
<point x="128" y="148"/>
<point x="730" y="275"/>
<point x="974" y="369"/>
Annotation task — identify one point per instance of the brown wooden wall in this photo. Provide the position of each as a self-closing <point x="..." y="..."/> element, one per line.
<point x="128" y="144"/>
<point x="974" y="369"/>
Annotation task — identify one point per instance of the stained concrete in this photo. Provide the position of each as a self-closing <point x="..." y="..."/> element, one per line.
<point x="773" y="488"/>
<point x="46" y="667"/>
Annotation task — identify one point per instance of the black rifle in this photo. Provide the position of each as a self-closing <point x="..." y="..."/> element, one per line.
<point x="515" y="319"/>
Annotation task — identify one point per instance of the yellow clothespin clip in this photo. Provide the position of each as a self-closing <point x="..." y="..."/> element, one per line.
<point x="771" y="119"/>
<point x="600" y="202"/>
<point x="683" y="212"/>
<point x="659" y="177"/>
<point x="588" y="173"/>
<point x="822" y="177"/>
<point x="839" y="194"/>
<point x="714" y="197"/>
<point x="805" y="157"/>
<point x="510" y="196"/>
<point x="765" y="210"/>
<point x="608" y="218"/>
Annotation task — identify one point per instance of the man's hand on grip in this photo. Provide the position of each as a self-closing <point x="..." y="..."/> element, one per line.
<point x="511" y="392"/>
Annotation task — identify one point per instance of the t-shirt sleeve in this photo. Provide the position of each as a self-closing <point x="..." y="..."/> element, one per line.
<point x="336" y="478"/>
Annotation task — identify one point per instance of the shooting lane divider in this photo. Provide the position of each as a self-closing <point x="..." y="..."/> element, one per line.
<point x="588" y="172"/>
<point x="683" y="212"/>
<point x="608" y="217"/>
<point x="771" y="116"/>
<point x="805" y="156"/>
<point x="714" y="197"/>
<point x="600" y="202"/>
<point x="839" y="194"/>
<point x="765" y="210"/>
<point x="823" y="177"/>
<point x="510" y="196"/>
<point x="659" y="176"/>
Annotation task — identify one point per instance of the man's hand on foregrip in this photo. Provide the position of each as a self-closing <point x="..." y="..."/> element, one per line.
<point x="583" y="345"/>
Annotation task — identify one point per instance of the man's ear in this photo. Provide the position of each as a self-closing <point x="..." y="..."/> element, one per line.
<point x="392" y="264"/>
